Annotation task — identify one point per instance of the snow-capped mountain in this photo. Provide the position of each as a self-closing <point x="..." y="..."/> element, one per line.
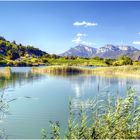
<point x="80" y="50"/>
<point x="107" y="51"/>
<point x="107" y="48"/>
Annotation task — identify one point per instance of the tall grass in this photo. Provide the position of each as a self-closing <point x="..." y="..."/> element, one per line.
<point x="116" y="120"/>
<point x="129" y="71"/>
<point x="6" y="72"/>
<point x="61" y="70"/>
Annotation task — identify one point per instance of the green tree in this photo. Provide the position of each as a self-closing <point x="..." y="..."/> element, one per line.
<point x="12" y="55"/>
<point x="124" y="60"/>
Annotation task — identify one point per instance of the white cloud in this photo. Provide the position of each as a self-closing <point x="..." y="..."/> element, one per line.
<point x="77" y="40"/>
<point x="84" y="23"/>
<point x="139" y="33"/>
<point x="80" y="34"/>
<point x="87" y="43"/>
<point x="136" y="42"/>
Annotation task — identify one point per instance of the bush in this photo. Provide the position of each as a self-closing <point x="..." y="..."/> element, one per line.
<point x="136" y="63"/>
<point x="124" y="60"/>
<point x="3" y="63"/>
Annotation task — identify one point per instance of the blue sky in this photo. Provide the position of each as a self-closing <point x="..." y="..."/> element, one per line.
<point x="57" y="26"/>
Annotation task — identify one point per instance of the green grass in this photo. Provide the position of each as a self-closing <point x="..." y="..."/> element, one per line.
<point x="76" y="62"/>
<point x="119" y="119"/>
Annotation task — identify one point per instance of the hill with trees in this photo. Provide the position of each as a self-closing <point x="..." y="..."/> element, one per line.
<point x="12" y="53"/>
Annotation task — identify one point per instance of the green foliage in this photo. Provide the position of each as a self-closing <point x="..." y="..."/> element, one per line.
<point x="72" y="61"/>
<point x="123" y="60"/>
<point x="136" y="63"/>
<point x="97" y="58"/>
<point x="109" y="61"/>
<point x="118" y="119"/>
<point x="13" y="51"/>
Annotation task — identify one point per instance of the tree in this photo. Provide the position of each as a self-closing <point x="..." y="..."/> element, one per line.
<point x="54" y="56"/>
<point x="125" y="60"/>
<point x="2" y="38"/>
<point x="12" y="55"/>
<point x="14" y="42"/>
<point x="108" y="61"/>
<point x="97" y="58"/>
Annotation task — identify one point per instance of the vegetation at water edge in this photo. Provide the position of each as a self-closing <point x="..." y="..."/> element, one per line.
<point x="118" y="119"/>
<point x="108" y="71"/>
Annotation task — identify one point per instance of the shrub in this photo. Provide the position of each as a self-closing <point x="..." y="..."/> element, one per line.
<point x="136" y="62"/>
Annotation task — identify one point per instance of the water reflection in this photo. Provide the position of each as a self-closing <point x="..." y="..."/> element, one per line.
<point x="27" y="118"/>
<point x="99" y="84"/>
<point x="18" y="78"/>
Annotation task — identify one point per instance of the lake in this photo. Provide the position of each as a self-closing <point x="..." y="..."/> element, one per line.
<point x="43" y="98"/>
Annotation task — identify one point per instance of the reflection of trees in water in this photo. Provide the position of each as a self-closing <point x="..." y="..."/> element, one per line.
<point x="99" y="84"/>
<point x="18" y="78"/>
<point x="5" y="82"/>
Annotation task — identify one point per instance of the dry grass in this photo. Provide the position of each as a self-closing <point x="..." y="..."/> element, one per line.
<point x="129" y="71"/>
<point x="125" y="71"/>
<point x="61" y="70"/>
<point x="6" y="72"/>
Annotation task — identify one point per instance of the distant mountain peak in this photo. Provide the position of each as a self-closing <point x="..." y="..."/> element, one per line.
<point x="80" y="50"/>
<point x="126" y="47"/>
<point x="107" y="51"/>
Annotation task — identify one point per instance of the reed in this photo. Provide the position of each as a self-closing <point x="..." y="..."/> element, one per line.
<point x="119" y="119"/>
<point x="6" y="72"/>
<point x="127" y="71"/>
<point x="119" y="70"/>
<point x="61" y="70"/>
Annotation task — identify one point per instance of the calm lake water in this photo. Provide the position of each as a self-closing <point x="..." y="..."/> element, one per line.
<point x="41" y="98"/>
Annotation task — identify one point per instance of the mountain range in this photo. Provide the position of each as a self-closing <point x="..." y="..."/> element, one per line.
<point x="107" y="51"/>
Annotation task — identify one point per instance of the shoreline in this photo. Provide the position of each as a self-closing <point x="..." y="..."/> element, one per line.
<point x="124" y="71"/>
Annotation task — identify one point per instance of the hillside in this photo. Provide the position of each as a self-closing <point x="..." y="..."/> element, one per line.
<point x="13" y="54"/>
<point x="14" y="51"/>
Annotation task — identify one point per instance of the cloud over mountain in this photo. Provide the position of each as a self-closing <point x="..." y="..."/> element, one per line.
<point x="84" y="23"/>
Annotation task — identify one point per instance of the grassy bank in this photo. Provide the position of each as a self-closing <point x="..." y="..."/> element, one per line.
<point x="115" y="70"/>
<point x="119" y="70"/>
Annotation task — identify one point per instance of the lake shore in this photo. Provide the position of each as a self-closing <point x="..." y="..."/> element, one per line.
<point x="130" y="71"/>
